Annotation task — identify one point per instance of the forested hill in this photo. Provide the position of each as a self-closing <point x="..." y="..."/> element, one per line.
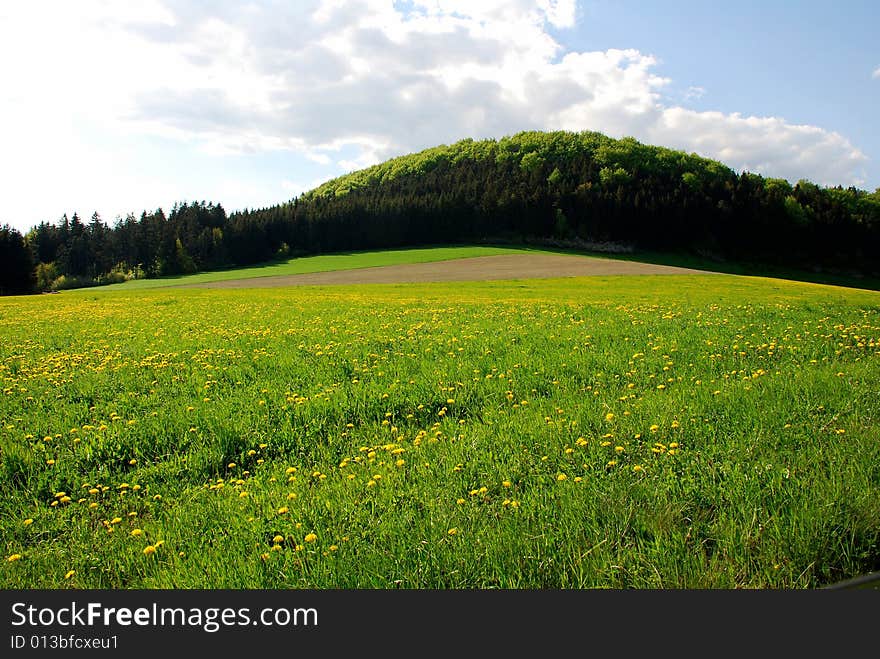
<point x="533" y="186"/>
<point x="586" y="185"/>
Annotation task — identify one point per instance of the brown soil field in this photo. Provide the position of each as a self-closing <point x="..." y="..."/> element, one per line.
<point x="481" y="268"/>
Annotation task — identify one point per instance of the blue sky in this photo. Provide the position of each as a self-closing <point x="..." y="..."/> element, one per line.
<point x="122" y="107"/>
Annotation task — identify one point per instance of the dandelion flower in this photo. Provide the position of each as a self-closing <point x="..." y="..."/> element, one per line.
<point x="28" y="521"/>
<point x="136" y="532"/>
<point x="13" y="558"/>
<point x="452" y="531"/>
<point x="561" y="477"/>
<point x="311" y="537"/>
<point x="278" y="539"/>
<point x="69" y="574"/>
<point x="149" y="549"/>
<point x="283" y="510"/>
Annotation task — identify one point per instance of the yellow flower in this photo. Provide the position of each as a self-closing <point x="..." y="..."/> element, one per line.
<point x="505" y="483"/>
<point x="638" y="468"/>
<point x="452" y="531"/>
<point x="609" y="416"/>
<point x="283" y="510"/>
<point x="136" y="532"/>
<point x="311" y="537"/>
<point x="70" y="574"/>
<point x="278" y="539"/>
<point x="14" y="557"/>
<point x="333" y="547"/>
<point x="561" y="477"/>
<point x="116" y="520"/>
<point x="149" y="549"/>
<point x="28" y="521"/>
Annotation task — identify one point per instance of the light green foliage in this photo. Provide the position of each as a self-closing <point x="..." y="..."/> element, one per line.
<point x="796" y="212"/>
<point x="531" y="162"/>
<point x="613" y="177"/>
<point x="533" y="150"/>
<point x="626" y="432"/>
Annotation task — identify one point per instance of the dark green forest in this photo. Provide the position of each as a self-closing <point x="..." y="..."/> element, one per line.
<point x="570" y="188"/>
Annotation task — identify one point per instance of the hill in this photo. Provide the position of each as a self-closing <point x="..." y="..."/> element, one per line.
<point x="568" y="189"/>
<point x="586" y="188"/>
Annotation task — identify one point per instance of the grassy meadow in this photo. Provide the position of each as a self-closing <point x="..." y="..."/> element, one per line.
<point x="325" y="263"/>
<point x="621" y="432"/>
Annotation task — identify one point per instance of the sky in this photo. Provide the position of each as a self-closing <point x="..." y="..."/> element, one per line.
<point x="116" y="107"/>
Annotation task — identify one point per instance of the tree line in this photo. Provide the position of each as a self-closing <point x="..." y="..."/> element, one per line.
<point x="531" y="186"/>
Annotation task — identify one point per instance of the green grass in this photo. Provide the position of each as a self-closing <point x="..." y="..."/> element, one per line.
<point x="322" y="263"/>
<point x="626" y="432"/>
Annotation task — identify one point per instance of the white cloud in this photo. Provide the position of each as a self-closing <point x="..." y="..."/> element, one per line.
<point x="358" y="79"/>
<point x="768" y="145"/>
<point x="876" y="73"/>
